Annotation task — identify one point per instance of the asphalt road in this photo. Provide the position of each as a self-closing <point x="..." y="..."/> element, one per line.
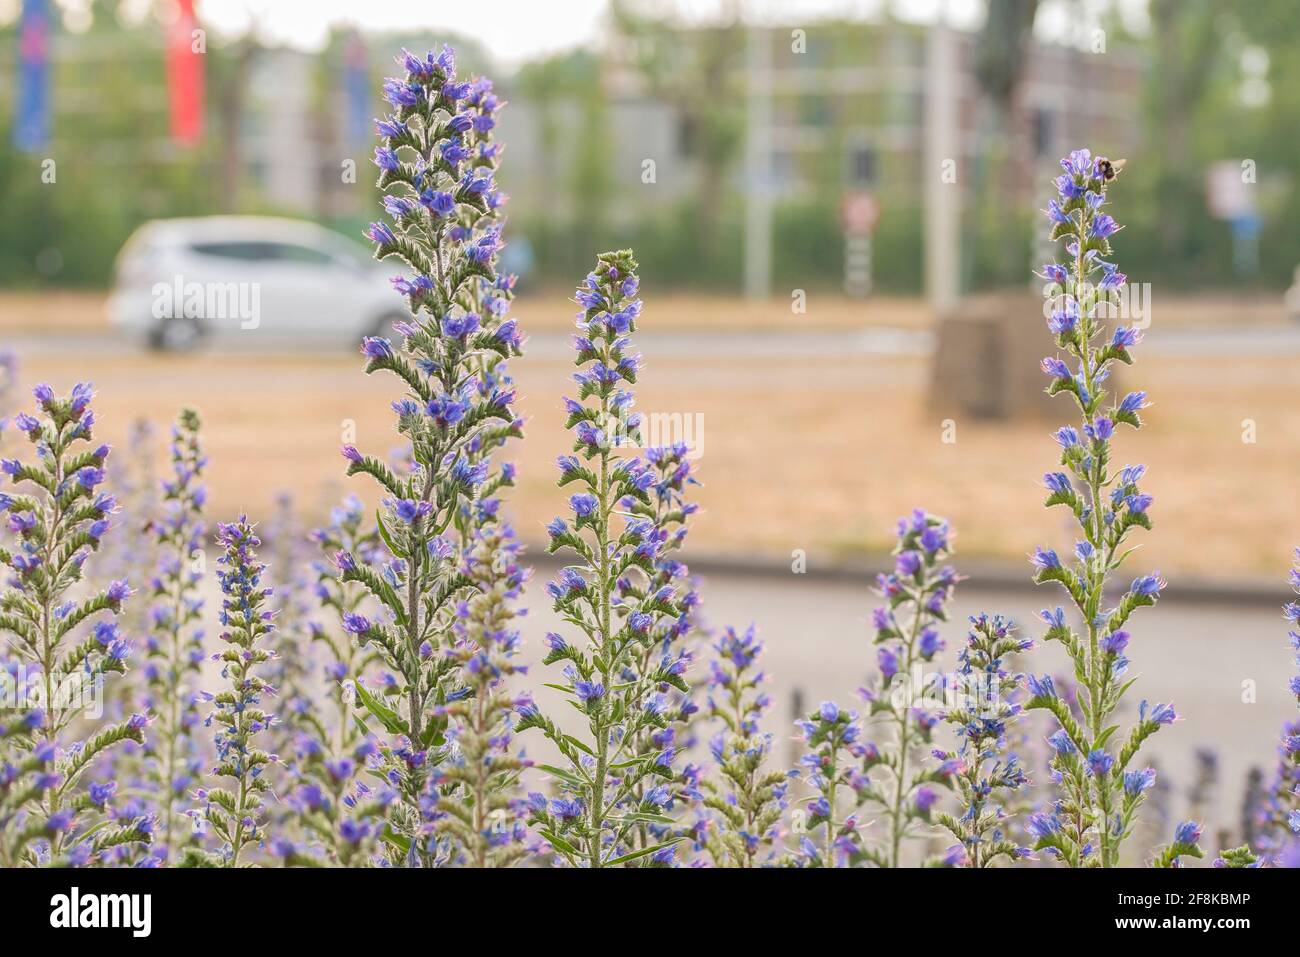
<point x="809" y="344"/>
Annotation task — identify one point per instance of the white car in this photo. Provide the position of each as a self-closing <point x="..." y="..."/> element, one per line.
<point x="251" y="278"/>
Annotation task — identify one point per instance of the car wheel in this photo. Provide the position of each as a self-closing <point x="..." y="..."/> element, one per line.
<point x="176" y="335"/>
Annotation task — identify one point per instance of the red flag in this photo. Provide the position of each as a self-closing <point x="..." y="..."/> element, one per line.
<point x="185" y="76"/>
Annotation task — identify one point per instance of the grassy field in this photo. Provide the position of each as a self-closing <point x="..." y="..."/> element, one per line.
<point x="798" y="454"/>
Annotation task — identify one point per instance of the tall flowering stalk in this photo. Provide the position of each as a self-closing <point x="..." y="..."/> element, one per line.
<point x="667" y="511"/>
<point x="748" y="798"/>
<point x="832" y="739"/>
<point x="1101" y="793"/>
<point x="430" y="175"/>
<point x="489" y="297"/>
<point x="987" y="776"/>
<point x="916" y="593"/>
<point x="614" y="779"/>
<point x="475" y="784"/>
<point x="175" y="642"/>
<point x="237" y="813"/>
<point x="57" y="521"/>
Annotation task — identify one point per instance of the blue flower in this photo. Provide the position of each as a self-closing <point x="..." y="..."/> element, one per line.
<point x="1114" y="643"/>
<point x="1067" y="436"/>
<point x="1041" y="687"/>
<point x="1125" y="338"/>
<point x="1054" y="272"/>
<point x="1160" y="714"/>
<point x="1058" y="482"/>
<point x="1187" y="832"/>
<point x="401" y="93"/>
<point x="390" y="127"/>
<point x="1134" y="402"/>
<point x="356" y="624"/>
<point x="1103" y="226"/>
<point x="1043" y="825"/>
<point x="1100" y="429"/>
<point x="1045" y="558"/>
<point x="386" y="159"/>
<point x="1064" y="319"/>
<point x="1061" y="743"/>
<point x="1054" y="618"/>
<point x="1137" y="504"/>
<point x="1131" y="474"/>
<point x="1053" y="366"/>
<point x="1138" y="782"/>
<point x="380" y="233"/>
<point x="584" y="506"/>
<point x="1100" y="763"/>
<point x="1149" y="585"/>
<point x="376" y="347"/>
<point x="439" y="202"/>
<point x="1079" y="163"/>
<point x="567" y="809"/>
<point x="1056" y="214"/>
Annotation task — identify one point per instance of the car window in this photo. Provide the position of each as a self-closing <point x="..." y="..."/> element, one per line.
<point x="290" y="252"/>
<point x="246" y="252"/>
<point x="257" y="251"/>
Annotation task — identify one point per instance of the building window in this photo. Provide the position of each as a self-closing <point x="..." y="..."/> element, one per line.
<point x="1044" y="133"/>
<point x="862" y="166"/>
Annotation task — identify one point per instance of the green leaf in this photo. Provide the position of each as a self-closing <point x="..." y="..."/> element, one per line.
<point x="389" y="718"/>
<point x="1105" y="736"/>
<point x="641" y="853"/>
<point x="383" y="533"/>
<point x="642" y="817"/>
<point x="559" y="843"/>
<point x="581" y="746"/>
<point x="566" y="776"/>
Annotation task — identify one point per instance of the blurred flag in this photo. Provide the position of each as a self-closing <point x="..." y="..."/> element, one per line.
<point x="32" y="111"/>
<point x="356" y="89"/>
<point x="185" y="76"/>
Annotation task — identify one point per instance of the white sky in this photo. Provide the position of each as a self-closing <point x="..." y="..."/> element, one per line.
<point x="518" y="30"/>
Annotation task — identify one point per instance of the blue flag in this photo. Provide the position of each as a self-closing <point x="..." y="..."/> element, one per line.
<point x="32" y="107"/>
<point x="356" y="90"/>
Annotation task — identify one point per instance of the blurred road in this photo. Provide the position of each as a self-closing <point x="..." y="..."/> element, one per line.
<point x="805" y="344"/>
